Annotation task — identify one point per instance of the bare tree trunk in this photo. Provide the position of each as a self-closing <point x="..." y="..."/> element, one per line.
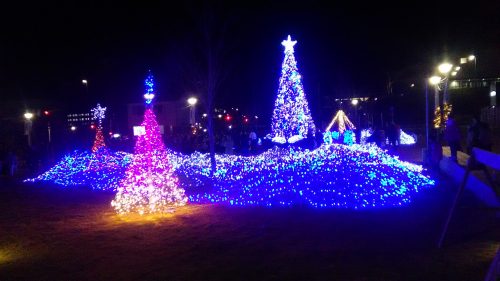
<point x="211" y="137"/>
<point x="212" y="79"/>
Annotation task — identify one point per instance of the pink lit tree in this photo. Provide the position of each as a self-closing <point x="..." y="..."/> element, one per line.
<point x="98" y="114"/>
<point x="149" y="185"/>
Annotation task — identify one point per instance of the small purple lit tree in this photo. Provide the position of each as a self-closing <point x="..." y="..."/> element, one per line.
<point x="149" y="185"/>
<point x="292" y="119"/>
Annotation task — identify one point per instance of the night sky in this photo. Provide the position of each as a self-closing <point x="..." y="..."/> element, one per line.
<point x="342" y="50"/>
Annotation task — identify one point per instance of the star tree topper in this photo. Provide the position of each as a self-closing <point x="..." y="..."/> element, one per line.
<point x="98" y="113"/>
<point x="288" y="44"/>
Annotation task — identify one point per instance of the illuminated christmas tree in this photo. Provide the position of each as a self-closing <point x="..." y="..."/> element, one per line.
<point x="292" y="119"/>
<point x="149" y="185"/>
<point x="342" y="121"/>
<point x="98" y="113"/>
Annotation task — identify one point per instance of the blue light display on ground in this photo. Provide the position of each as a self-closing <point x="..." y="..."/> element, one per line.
<point x="336" y="175"/>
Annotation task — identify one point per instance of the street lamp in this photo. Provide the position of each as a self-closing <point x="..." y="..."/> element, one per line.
<point x="434" y="80"/>
<point x="28" y="116"/>
<point x="355" y="102"/>
<point x="444" y="68"/>
<point x="192" y="103"/>
<point x="27" y="129"/>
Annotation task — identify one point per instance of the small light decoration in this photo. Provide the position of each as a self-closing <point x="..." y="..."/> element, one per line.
<point x="342" y="121"/>
<point x="98" y="113"/>
<point x="292" y="119"/>
<point x="149" y="185"/>
<point x="345" y="127"/>
<point x="438" y="123"/>
<point x="364" y="135"/>
<point x="404" y="138"/>
<point x="149" y="84"/>
<point x="349" y="137"/>
<point x="407" y="139"/>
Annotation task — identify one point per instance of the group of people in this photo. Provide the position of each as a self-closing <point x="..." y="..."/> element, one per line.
<point x="478" y="135"/>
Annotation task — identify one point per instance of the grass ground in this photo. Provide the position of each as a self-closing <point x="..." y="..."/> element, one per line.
<point x="49" y="233"/>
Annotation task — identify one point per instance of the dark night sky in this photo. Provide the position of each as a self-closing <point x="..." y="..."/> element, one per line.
<point x="343" y="50"/>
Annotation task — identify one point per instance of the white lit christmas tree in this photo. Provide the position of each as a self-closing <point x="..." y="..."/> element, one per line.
<point x="149" y="185"/>
<point x="292" y="119"/>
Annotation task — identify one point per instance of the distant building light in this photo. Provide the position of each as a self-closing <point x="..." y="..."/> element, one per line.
<point x="116" y="135"/>
<point x="463" y="60"/>
<point x="412" y="85"/>
<point x="493" y="94"/>
<point x="73" y="128"/>
<point x="354" y="102"/>
<point x="471" y="57"/>
<point x="205" y="115"/>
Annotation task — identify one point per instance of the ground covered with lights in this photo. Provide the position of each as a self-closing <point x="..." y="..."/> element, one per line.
<point x="336" y="175"/>
<point x="49" y="233"/>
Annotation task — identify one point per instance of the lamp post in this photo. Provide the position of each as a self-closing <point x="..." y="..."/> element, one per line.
<point x="355" y="102"/>
<point x="434" y="80"/>
<point x="192" y="110"/>
<point x="85" y="83"/>
<point x="27" y="129"/>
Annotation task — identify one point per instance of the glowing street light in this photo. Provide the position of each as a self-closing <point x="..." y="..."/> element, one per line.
<point x="192" y="101"/>
<point x="434" y="80"/>
<point x="453" y="73"/>
<point x="355" y="102"/>
<point x="28" y="115"/>
<point x="444" y="68"/>
<point x="471" y="57"/>
<point x="73" y="128"/>
<point x="192" y="115"/>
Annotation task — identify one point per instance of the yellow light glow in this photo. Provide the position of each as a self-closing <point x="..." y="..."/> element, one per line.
<point x="434" y="80"/>
<point x="445" y="67"/>
<point x="28" y="115"/>
<point x="471" y="57"/>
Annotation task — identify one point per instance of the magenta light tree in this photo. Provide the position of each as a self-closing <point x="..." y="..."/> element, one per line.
<point x="292" y="119"/>
<point x="149" y="185"/>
